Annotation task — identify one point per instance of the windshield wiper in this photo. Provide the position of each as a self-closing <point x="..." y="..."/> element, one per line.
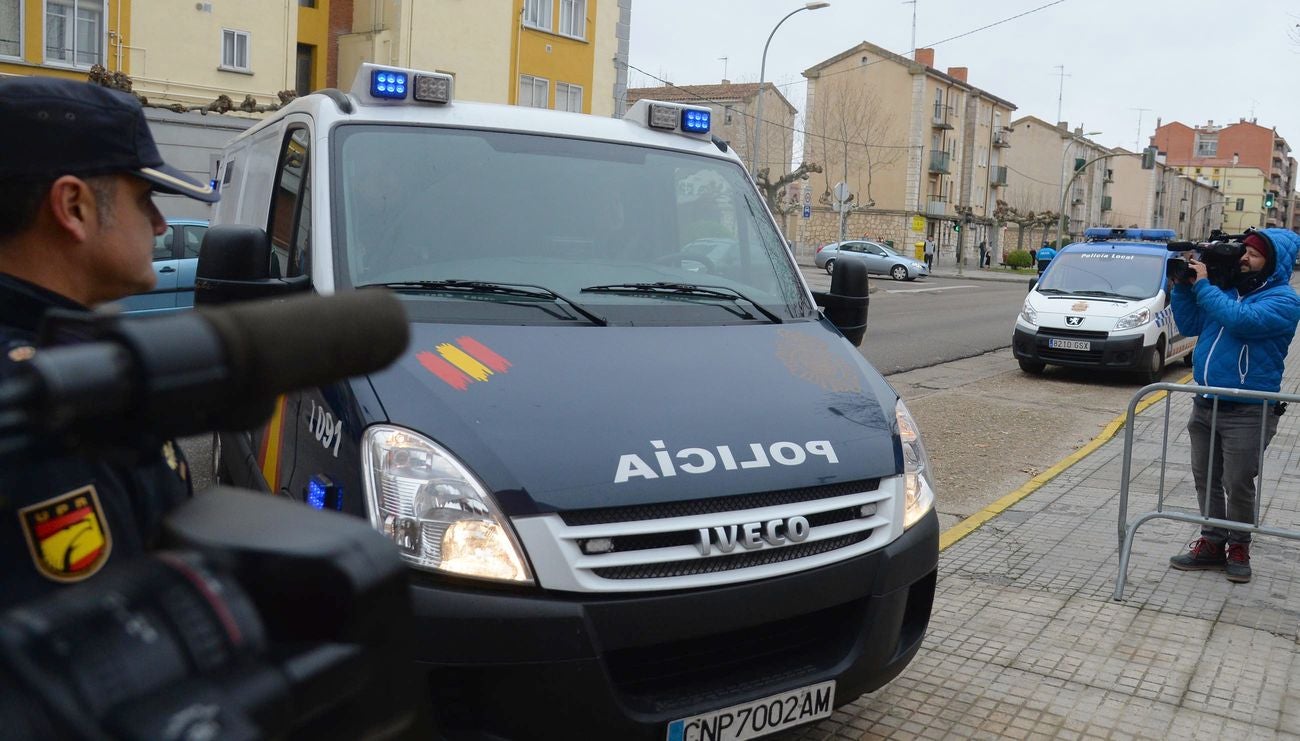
<point x="684" y="289"/>
<point x="1052" y="291"/>
<point x="505" y="289"/>
<point x="1108" y="294"/>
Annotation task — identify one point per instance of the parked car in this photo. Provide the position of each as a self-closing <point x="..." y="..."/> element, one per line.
<point x="878" y="258"/>
<point x="175" y="256"/>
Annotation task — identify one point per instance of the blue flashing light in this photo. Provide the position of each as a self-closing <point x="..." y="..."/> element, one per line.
<point x="1144" y="235"/>
<point x="323" y="493"/>
<point x="696" y="122"/>
<point x="386" y="84"/>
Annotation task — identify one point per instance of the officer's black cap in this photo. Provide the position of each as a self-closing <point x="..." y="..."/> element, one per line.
<point x="51" y="127"/>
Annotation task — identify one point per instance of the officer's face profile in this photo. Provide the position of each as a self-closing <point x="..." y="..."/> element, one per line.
<point x="119" y="238"/>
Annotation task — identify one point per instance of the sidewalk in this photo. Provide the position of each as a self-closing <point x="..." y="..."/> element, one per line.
<point x="1026" y="642"/>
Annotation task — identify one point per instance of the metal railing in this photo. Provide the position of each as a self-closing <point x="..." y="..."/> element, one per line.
<point x="936" y="207"/>
<point x="998" y="175"/>
<point x="1128" y="530"/>
<point x="940" y="162"/>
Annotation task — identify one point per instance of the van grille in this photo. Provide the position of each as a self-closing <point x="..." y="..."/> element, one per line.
<point x="698" y="543"/>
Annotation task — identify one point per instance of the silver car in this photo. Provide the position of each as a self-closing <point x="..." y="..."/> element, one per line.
<point x="878" y="258"/>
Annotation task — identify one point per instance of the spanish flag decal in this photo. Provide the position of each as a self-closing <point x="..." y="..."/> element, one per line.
<point x="465" y="362"/>
<point x="68" y="536"/>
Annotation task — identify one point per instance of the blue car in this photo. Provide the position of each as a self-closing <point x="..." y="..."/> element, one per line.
<point x="175" y="256"/>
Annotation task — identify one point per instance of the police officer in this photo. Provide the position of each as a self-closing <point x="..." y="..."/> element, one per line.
<point x="78" y="167"/>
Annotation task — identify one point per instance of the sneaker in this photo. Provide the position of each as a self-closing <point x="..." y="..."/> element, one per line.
<point x="1238" y="563"/>
<point x="1201" y="554"/>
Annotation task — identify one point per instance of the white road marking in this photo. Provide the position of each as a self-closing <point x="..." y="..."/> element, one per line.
<point x="923" y="290"/>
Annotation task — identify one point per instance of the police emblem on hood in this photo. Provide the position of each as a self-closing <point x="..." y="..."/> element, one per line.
<point x="67" y="535"/>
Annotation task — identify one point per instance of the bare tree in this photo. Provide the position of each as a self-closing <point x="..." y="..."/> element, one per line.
<point x="1024" y="220"/>
<point x="849" y="132"/>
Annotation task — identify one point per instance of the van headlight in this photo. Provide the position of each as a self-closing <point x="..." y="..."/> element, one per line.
<point x="1028" y="313"/>
<point x="441" y="518"/>
<point x="918" y="490"/>
<point x="1136" y="319"/>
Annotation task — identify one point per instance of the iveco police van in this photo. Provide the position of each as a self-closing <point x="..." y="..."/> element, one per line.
<point x="1104" y="303"/>
<point x="645" y="485"/>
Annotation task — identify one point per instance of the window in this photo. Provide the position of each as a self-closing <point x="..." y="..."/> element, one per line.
<point x="573" y="18"/>
<point x="306" y="64"/>
<point x="1207" y="145"/>
<point x="726" y="114"/>
<point x="534" y="91"/>
<point x="234" y="50"/>
<point x="290" y="221"/>
<point x="74" y="32"/>
<point x="537" y="13"/>
<point x="11" y="28"/>
<point x="568" y="97"/>
<point x="193" y="240"/>
<point x="1241" y="204"/>
<point x="164" y="244"/>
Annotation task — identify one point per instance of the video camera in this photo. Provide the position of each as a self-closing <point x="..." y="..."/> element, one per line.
<point x="1221" y="254"/>
<point x="261" y="617"/>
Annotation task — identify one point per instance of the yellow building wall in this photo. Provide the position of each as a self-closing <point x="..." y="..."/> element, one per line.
<point x="117" y="24"/>
<point x="553" y="56"/>
<point x="175" y="53"/>
<point x="604" y="74"/>
<point x="313" y="29"/>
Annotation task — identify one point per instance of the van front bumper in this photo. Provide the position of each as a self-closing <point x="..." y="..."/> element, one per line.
<point x="1122" y="353"/>
<point x="521" y="666"/>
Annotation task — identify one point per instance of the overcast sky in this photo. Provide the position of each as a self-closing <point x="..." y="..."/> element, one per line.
<point x="1185" y="60"/>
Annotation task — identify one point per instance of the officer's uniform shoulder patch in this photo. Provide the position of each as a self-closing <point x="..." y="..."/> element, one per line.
<point x="67" y="535"/>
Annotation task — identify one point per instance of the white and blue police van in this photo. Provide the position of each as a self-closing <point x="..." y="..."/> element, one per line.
<point x="1104" y="303"/>
<point x="646" y="485"/>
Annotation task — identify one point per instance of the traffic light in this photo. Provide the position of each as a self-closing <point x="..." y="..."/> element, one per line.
<point x="1269" y="199"/>
<point x="956" y="226"/>
<point x="1149" y="158"/>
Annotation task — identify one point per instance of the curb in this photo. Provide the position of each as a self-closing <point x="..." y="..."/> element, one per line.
<point x="969" y="525"/>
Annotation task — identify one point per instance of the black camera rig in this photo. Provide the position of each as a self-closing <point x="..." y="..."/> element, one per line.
<point x="1221" y="253"/>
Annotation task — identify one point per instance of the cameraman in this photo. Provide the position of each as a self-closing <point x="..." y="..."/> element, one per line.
<point x="78" y="167"/>
<point x="1245" y="328"/>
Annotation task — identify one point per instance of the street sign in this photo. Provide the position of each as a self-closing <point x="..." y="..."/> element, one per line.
<point x="807" y="211"/>
<point x="841" y="192"/>
<point x="807" y="194"/>
<point x="918" y="223"/>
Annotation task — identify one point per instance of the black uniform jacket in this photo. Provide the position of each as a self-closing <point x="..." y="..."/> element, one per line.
<point x="65" y="516"/>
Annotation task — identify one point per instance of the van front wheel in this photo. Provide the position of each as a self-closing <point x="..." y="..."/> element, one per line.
<point x="1032" y="366"/>
<point x="1155" y="369"/>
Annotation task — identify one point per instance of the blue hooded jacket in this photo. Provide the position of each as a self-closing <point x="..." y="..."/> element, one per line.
<point x="1243" y="339"/>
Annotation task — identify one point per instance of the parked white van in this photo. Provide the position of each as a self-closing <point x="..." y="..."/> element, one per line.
<point x="1104" y="303"/>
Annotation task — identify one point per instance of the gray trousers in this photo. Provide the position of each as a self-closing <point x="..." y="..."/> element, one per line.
<point x="1236" y="460"/>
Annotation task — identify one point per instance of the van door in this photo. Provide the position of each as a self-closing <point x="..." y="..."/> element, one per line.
<point x="288" y="226"/>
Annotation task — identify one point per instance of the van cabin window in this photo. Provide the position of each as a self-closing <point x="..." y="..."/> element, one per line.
<point x="289" y="226"/>
<point x="422" y="203"/>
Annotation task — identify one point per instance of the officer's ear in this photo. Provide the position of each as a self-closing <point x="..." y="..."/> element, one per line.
<point x="73" y="208"/>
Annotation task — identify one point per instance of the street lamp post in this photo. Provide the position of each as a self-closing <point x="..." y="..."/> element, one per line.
<point x="1192" y="220"/>
<point x="1065" y="156"/>
<point x="762" y="72"/>
<point x="1060" y="221"/>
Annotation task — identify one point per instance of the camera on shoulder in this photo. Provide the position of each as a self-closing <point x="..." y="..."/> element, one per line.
<point x="1221" y="253"/>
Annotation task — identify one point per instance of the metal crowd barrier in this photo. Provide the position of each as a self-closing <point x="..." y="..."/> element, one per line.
<point x="1128" y="530"/>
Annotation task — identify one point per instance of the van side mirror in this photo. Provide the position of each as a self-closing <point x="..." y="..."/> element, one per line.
<point x="846" y="302"/>
<point x="235" y="265"/>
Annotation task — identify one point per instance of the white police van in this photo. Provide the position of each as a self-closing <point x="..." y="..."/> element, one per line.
<point x="1104" y="303"/>
<point x="646" y="487"/>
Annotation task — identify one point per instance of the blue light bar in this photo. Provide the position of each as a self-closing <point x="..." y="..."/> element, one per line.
<point x="388" y="84"/>
<point x="1144" y="235"/>
<point x="696" y="121"/>
<point x="322" y="493"/>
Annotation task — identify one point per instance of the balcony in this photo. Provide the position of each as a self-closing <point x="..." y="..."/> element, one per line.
<point x="1105" y="203"/>
<point x="998" y="176"/>
<point x="1001" y="139"/>
<point x="942" y="114"/>
<point x="936" y="207"/>
<point x="1109" y="177"/>
<point x="940" y="162"/>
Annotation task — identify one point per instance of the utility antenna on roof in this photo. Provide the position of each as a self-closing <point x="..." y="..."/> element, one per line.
<point x="724" y="66"/>
<point x="1060" y="92"/>
<point x="912" y="53"/>
<point x="1137" y="143"/>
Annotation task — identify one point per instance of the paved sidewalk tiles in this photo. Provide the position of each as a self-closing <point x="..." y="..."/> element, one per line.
<point x="1025" y="640"/>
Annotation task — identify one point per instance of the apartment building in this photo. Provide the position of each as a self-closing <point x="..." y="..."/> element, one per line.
<point x="570" y="55"/>
<point x="1206" y="152"/>
<point x="1162" y="198"/>
<point x="1045" y="161"/>
<point x="734" y="107"/>
<point x="908" y="139"/>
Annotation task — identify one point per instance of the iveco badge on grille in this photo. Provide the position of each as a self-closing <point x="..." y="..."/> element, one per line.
<point x="753" y="535"/>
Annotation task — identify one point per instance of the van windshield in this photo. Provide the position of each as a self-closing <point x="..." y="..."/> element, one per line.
<point x="417" y="204"/>
<point x="1105" y="273"/>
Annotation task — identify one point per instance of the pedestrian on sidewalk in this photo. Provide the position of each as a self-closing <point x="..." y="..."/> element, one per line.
<point x="984" y="254"/>
<point x="929" y="254"/>
<point x="1245" y="328"/>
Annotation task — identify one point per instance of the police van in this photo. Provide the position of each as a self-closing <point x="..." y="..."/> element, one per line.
<point x="1104" y="303"/>
<point x="645" y="485"/>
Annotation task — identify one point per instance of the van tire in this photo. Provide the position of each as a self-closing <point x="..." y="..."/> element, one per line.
<point x="898" y="272"/>
<point x="1032" y="366"/>
<point x="830" y="266"/>
<point x="1155" y="369"/>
